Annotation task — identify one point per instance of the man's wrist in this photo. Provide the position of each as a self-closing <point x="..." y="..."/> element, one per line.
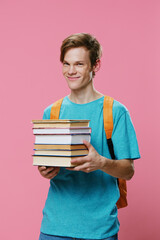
<point x="103" y="163"/>
<point x="107" y="164"/>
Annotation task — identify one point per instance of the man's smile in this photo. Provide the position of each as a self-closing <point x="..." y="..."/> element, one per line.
<point x="72" y="78"/>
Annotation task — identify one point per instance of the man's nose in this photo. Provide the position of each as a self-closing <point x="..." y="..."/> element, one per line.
<point x="72" y="70"/>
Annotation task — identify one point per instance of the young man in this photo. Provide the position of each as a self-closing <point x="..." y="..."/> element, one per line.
<point x="81" y="202"/>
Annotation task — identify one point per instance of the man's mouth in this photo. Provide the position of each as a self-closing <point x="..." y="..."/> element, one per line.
<point x="72" y="78"/>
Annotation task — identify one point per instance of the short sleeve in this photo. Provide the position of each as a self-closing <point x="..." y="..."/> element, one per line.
<point x="124" y="138"/>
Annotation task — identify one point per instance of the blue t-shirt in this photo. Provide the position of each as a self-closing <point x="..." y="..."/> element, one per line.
<point x="83" y="205"/>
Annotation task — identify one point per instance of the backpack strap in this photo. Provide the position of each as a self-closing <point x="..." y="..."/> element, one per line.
<point x="107" y="116"/>
<point x="108" y="122"/>
<point x="55" y="109"/>
<point x="108" y="126"/>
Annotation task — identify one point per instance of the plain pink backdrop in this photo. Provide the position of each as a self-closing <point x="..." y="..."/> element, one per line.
<point x="31" y="33"/>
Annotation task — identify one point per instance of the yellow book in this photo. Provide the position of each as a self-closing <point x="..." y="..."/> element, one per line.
<point x="59" y="146"/>
<point x="62" y="153"/>
<point x="61" y="123"/>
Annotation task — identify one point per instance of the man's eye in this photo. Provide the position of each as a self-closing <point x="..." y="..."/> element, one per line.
<point x="80" y="64"/>
<point x="65" y="63"/>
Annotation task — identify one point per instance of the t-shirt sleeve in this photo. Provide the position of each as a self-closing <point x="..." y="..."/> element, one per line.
<point x="124" y="138"/>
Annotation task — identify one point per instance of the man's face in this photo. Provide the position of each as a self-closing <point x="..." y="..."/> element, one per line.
<point x="77" y="68"/>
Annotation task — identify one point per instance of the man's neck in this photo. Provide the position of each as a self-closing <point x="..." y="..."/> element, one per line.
<point x="84" y="95"/>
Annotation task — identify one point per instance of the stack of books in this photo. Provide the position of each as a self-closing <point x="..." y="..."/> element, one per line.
<point x="58" y="141"/>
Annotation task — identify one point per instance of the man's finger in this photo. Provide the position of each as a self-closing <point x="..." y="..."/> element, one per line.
<point x="79" y="160"/>
<point x="81" y="167"/>
<point x="48" y="169"/>
<point x="51" y="175"/>
<point x="87" y="144"/>
<point x="42" y="168"/>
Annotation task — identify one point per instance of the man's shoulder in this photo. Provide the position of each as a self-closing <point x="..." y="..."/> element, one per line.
<point x="118" y="107"/>
<point x="47" y="110"/>
<point x="119" y="110"/>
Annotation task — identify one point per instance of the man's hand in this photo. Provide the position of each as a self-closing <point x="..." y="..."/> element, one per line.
<point x="48" y="172"/>
<point x="93" y="161"/>
<point x="123" y="168"/>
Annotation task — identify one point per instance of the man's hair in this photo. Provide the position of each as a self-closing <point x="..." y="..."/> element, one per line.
<point x="82" y="40"/>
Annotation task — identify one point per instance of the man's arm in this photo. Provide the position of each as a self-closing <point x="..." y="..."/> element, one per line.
<point x="121" y="168"/>
<point x="93" y="161"/>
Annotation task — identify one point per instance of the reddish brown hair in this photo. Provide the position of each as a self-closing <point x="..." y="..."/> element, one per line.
<point x="82" y="40"/>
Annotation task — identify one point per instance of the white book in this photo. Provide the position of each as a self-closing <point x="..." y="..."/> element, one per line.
<point x="62" y="139"/>
<point x="61" y="130"/>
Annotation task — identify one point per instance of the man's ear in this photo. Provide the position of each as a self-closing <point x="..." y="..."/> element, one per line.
<point x="97" y="66"/>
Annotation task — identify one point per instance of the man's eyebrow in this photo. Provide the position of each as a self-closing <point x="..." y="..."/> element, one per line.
<point x="79" y="61"/>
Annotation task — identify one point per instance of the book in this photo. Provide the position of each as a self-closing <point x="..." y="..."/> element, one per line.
<point x="58" y="141"/>
<point x="61" y="153"/>
<point x="52" y="161"/>
<point x="59" y="146"/>
<point x="61" y="130"/>
<point x="61" y="123"/>
<point x="62" y="138"/>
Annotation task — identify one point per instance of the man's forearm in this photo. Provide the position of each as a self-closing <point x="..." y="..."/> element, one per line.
<point x="118" y="168"/>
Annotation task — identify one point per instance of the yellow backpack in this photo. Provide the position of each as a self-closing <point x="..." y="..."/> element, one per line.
<point x="108" y="126"/>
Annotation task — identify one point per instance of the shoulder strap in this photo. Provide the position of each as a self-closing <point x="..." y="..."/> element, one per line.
<point x="55" y="110"/>
<point x="107" y="116"/>
<point x="108" y="122"/>
<point x="108" y="126"/>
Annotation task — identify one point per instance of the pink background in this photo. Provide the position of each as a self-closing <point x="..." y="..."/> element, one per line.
<point x="31" y="33"/>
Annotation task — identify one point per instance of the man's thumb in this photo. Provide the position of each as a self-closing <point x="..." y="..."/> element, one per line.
<point x="87" y="144"/>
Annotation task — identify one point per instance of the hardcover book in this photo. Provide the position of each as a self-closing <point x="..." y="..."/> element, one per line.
<point x="61" y="123"/>
<point x="61" y="153"/>
<point x="52" y="161"/>
<point x="62" y="139"/>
